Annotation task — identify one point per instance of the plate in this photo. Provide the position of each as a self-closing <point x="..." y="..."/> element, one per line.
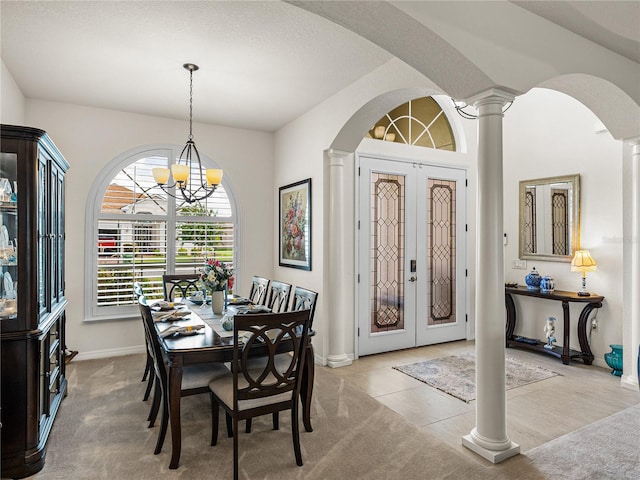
<point x="198" y="301"/>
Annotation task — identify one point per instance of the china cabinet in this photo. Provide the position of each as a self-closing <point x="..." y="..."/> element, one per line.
<point x="32" y="301"/>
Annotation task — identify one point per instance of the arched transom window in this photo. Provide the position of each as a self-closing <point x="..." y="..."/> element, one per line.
<point x="139" y="232"/>
<point x="420" y="122"/>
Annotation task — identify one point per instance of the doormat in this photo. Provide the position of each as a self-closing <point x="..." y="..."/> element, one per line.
<point x="456" y="374"/>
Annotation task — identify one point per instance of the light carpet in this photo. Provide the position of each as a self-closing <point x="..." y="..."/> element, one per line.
<point x="101" y="433"/>
<point x="456" y="374"/>
<point x="608" y="449"/>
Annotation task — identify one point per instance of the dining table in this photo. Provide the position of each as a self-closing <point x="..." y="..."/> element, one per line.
<point x="211" y="343"/>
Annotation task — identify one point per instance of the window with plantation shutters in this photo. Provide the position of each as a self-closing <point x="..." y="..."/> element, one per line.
<point x="139" y="233"/>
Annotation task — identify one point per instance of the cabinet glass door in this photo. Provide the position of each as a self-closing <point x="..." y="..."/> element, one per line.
<point x="8" y="235"/>
<point x="42" y="234"/>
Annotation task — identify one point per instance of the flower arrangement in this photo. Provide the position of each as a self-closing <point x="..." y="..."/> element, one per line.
<point x="293" y="228"/>
<point x="216" y="275"/>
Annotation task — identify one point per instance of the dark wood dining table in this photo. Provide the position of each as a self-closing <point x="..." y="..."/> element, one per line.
<point x="209" y="346"/>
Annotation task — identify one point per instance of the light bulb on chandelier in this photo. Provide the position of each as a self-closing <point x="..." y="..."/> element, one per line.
<point x="206" y="181"/>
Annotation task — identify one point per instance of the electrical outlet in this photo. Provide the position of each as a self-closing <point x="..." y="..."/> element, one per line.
<point x="594" y="325"/>
<point x="519" y="264"/>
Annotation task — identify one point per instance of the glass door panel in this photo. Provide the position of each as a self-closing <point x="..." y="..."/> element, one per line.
<point x="8" y="235"/>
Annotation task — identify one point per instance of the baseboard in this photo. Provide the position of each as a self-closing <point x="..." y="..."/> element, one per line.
<point x="112" y="352"/>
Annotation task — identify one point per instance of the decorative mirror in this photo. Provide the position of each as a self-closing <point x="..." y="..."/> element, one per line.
<point x="550" y="218"/>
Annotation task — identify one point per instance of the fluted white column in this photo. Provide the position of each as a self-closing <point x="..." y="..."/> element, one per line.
<point x="630" y="350"/>
<point x="337" y="311"/>
<point x="489" y="437"/>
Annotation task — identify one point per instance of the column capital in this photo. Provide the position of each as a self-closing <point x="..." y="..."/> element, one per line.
<point x="494" y="95"/>
<point x="333" y="153"/>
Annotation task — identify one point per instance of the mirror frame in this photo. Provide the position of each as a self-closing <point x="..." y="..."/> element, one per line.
<point x="575" y="217"/>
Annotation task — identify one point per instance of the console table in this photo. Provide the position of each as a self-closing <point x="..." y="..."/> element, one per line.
<point x="560" y="351"/>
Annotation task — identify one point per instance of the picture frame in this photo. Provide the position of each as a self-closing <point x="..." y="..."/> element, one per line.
<point x="294" y="227"/>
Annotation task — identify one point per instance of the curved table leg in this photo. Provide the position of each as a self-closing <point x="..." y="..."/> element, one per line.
<point x="175" y="385"/>
<point x="566" y="351"/>
<point x="585" y="349"/>
<point x="511" y="317"/>
<point x="306" y="390"/>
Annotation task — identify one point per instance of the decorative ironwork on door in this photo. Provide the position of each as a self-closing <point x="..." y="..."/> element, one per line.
<point x="441" y="253"/>
<point x="387" y="252"/>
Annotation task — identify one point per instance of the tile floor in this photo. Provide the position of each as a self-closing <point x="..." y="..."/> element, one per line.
<point x="536" y="413"/>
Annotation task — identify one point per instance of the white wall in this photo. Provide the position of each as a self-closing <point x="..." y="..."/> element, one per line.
<point x="12" y="101"/>
<point x="546" y="134"/>
<point x="90" y="138"/>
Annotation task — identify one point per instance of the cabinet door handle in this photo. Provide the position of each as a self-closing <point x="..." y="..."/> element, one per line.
<point x="413" y="278"/>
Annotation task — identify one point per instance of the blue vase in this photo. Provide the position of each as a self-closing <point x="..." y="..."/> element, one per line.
<point x="547" y="285"/>
<point x="533" y="280"/>
<point x="614" y="359"/>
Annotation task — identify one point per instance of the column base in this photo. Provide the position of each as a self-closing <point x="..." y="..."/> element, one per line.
<point x="335" y="361"/>
<point x="494" y="456"/>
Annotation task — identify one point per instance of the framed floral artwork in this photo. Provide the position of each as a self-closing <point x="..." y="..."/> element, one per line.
<point x="295" y="225"/>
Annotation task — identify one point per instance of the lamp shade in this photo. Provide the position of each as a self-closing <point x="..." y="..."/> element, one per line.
<point x="214" y="176"/>
<point x="583" y="262"/>
<point x="161" y="175"/>
<point x="180" y="172"/>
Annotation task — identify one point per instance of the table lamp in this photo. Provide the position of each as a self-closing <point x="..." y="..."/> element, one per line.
<point x="583" y="262"/>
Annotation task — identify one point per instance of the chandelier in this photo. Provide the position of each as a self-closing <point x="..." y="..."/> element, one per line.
<point x="205" y="181"/>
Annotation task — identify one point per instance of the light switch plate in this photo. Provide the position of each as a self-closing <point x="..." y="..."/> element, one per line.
<point x="519" y="264"/>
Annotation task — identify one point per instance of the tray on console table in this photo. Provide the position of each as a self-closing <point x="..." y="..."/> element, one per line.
<point x="563" y="351"/>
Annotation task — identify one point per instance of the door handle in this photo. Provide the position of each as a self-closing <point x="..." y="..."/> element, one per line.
<point x="413" y="279"/>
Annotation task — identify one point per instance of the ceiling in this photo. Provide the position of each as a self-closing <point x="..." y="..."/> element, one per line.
<point x="262" y="64"/>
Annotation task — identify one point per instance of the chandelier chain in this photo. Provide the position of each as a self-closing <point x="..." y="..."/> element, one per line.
<point x="190" y="104"/>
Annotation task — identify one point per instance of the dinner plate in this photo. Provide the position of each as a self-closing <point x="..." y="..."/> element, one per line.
<point x="198" y="301"/>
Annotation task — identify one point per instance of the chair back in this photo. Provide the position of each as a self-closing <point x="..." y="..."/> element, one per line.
<point x="181" y="285"/>
<point x="304" y="299"/>
<point x="259" y="289"/>
<point x="270" y="333"/>
<point x="278" y="298"/>
<point x="153" y="342"/>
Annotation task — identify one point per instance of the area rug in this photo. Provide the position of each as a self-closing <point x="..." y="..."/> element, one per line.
<point x="456" y="374"/>
<point x="606" y="450"/>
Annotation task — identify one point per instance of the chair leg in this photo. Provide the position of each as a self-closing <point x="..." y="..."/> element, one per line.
<point x="230" y="429"/>
<point x="235" y="449"/>
<point x="163" y="423"/>
<point x="296" y="434"/>
<point x="276" y="420"/>
<point x="149" y="386"/>
<point x="215" y="418"/>
<point x="155" y="405"/>
<point x="247" y="427"/>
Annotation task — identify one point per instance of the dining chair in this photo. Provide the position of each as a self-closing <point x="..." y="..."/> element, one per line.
<point x="303" y="299"/>
<point x="247" y="393"/>
<point x="258" y="292"/>
<point x="278" y="297"/>
<point x="195" y="378"/>
<point x="148" y="369"/>
<point x="181" y="285"/>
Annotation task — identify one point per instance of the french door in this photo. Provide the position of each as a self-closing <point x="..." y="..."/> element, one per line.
<point x="411" y="255"/>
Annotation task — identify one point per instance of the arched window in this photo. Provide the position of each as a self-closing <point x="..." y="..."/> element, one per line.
<point x="420" y="122"/>
<point x="136" y="232"/>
